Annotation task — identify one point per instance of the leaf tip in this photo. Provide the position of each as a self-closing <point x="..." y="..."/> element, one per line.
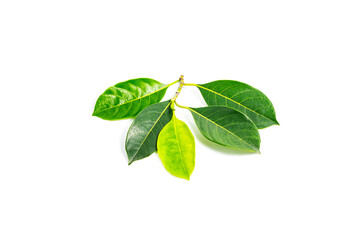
<point x="188" y="175"/>
<point x="130" y="161"/>
<point x="188" y="178"/>
<point x="256" y="150"/>
<point x="94" y="114"/>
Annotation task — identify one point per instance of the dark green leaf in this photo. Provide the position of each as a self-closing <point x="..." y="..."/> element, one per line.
<point x="143" y="133"/>
<point x="241" y="97"/>
<point x="176" y="148"/>
<point x="127" y="99"/>
<point x="227" y="127"/>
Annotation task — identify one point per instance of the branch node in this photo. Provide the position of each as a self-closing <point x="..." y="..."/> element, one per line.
<point x="181" y="83"/>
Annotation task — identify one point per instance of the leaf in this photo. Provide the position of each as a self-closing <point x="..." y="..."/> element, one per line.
<point x="127" y="99"/>
<point x="241" y="97"/>
<point x="143" y="133"/>
<point x="176" y="148"/>
<point x="227" y="127"/>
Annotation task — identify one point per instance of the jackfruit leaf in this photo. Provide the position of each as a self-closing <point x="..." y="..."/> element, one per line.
<point x="127" y="99"/>
<point x="227" y="127"/>
<point x="176" y="148"/>
<point x="142" y="135"/>
<point x="241" y="97"/>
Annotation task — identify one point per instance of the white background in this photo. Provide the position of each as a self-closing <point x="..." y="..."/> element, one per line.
<point x="64" y="173"/>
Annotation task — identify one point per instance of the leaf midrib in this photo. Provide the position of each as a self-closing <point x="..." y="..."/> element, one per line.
<point x="180" y="150"/>
<point x="225" y="130"/>
<point x="234" y="102"/>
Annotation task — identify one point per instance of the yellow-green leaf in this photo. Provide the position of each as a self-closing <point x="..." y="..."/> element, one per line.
<point x="176" y="148"/>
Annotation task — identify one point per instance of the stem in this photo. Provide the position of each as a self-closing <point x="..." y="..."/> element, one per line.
<point x="190" y="84"/>
<point x="180" y="105"/>
<point x="170" y="84"/>
<point x="181" y="83"/>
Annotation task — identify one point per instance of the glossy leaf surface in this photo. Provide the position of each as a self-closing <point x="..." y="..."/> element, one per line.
<point x="227" y="127"/>
<point x="176" y="148"/>
<point x="241" y="97"/>
<point x="143" y="133"/>
<point x="127" y="99"/>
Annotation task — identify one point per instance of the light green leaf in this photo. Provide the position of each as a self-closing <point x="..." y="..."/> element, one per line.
<point x="127" y="99"/>
<point x="176" y="148"/>
<point x="227" y="127"/>
<point x="143" y="133"/>
<point x="241" y="97"/>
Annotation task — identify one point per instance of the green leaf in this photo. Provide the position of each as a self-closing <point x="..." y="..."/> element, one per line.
<point x="127" y="99"/>
<point x="227" y="127"/>
<point x="176" y="148"/>
<point x="143" y="133"/>
<point x="241" y="97"/>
